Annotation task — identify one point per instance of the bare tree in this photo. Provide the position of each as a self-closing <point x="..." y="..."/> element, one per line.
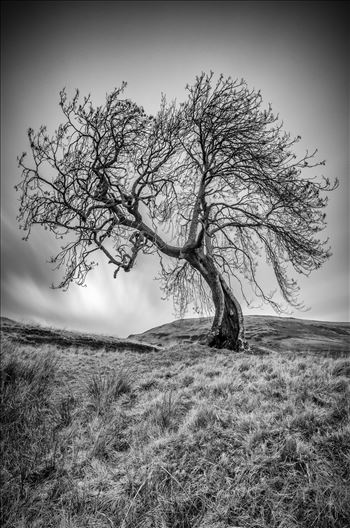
<point x="209" y="185"/>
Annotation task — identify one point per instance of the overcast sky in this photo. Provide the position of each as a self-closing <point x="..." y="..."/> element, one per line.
<point x="295" y="52"/>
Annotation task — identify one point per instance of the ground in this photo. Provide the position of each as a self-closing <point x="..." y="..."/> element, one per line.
<point x="162" y="431"/>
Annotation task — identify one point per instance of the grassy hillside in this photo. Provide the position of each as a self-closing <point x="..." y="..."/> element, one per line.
<point x="122" y="435"/>
<point x="37" y="335"/>
<point x="264" y="333"/>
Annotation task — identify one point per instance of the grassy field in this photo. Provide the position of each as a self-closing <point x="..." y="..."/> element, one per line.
<point x="180" y="437"/>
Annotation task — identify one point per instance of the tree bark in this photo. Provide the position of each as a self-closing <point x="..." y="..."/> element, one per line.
<point x="227" y="330"/>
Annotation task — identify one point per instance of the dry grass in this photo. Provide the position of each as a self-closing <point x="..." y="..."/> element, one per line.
<point x="187" y="437"/>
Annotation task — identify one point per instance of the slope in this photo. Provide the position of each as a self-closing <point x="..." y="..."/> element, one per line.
<point x="264" y="333"/>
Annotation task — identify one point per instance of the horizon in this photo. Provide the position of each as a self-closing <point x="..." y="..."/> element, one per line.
<point x="131" y="335"/>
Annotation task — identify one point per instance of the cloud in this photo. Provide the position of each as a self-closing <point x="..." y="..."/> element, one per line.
<point x="129" y="304"/>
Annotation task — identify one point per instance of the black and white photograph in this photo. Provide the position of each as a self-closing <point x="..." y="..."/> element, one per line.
<point x="175" y="255"/>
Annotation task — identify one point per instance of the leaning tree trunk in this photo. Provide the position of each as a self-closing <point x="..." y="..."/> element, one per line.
<point x="228" y="326"/>
<point x="227" y="330"/>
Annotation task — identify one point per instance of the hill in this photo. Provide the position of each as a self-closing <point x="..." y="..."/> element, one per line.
<point x="99" y="432"/>
<point x="31" y="334"/>
<point x="264" y="333"/>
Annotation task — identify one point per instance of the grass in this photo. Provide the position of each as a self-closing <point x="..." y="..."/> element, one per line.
<point x="183" y="438"/>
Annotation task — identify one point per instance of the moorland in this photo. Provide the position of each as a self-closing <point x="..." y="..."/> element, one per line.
<point x="159" y="430"/>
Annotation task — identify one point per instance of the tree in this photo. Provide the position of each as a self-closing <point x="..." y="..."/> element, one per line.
<point x="209" y="185"/>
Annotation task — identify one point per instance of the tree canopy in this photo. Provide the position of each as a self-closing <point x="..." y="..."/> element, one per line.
<point x="213" y="183"/>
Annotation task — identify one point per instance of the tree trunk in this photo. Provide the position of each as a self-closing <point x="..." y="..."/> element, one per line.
<point x="228" y="326"/>
<point x="227" y="330"/>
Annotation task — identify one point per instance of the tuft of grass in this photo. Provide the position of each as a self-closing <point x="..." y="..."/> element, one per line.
<point x="165" y="412"/>
<point x="36" y="375"/>
<point x="202" y="417"/>
<point x="342" y="368"/>
<point x="107" y="437"/>
<point x="104" y="389"/>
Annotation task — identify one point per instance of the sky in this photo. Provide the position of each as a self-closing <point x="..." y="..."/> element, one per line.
<point x="296" y="53"/>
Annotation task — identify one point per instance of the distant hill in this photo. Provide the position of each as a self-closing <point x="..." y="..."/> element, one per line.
<point x="39" y="335"/>
<point x="7" y="321"/>
<point x="264" y="333"/>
